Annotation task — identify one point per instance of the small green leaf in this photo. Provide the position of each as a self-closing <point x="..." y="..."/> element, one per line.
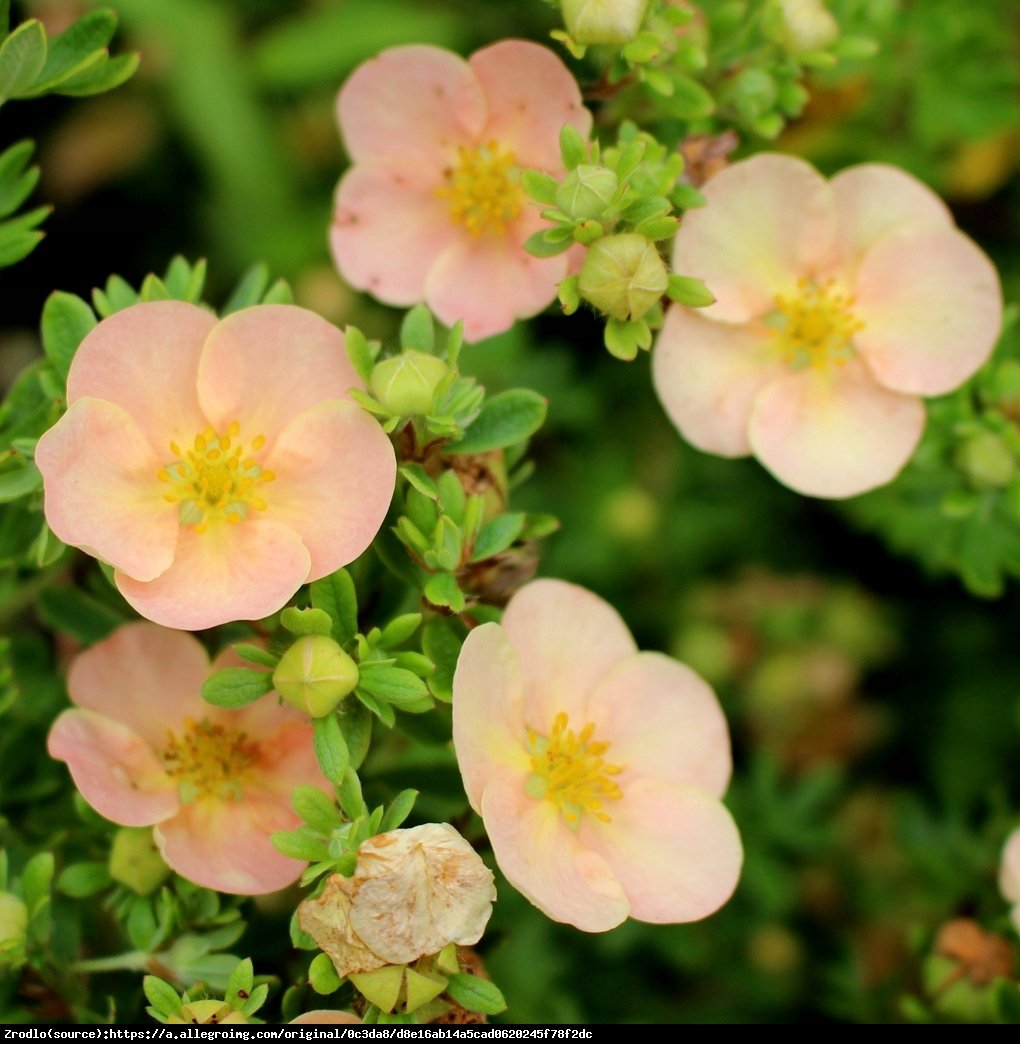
<point x="359" y="352"/>
<point x="349" y="793"/>
<point x="541" y="187"/>
<point x="573" y="147"/>
<point x="442" y="589"/>
<point x="398" y="630"/>
<point x="315" y="808"/>
<point x="419" y="478"/>
<point x="335" y="595"/>
<point x="476" y="994"/>
<point x="497" y="535"/>
<point x="15" y="245"/>
<point x="442" y="647"/>
<point x="256" y="654"/>
<point x="322" y="976"/>
<point x="418" y="330"/>
<point x="257" y="999"/>
<point x="35" y="881"/>
<point x="399" y="809"/>
<point x="22" y="57"/>
<point x="689" y="100"/>
<point x="161" y="995"/>
<point x="80" y="880"/>
<point x="242" y="980"/>
<point x="236" y="687"/>
<point x="538" y="245"/>
<point x="392" y="684"/>
<point x="66" y="319"/>
<point x="356" y="725"/>
<point x="19" y="482"/>
<point x="307" y="621"/>
<point x="249" y="290"/>
<point x="301" y="844"/>
<point x="505" y="419"/>
<point x="16" y="183"/>
<point x="688" y="291"/>
<point x="76" y="46"/>
<point x="331" y="748"/>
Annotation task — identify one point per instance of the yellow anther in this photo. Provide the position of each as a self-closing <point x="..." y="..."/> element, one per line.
<point x="483" y="189"/>
<point x="569" y="769"/>
<point x="814" y="327"/>
<point x="210" y="759"/>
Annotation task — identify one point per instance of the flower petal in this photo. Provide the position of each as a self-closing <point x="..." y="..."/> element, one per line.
<point x="335" y="472"/>
<point x="231" y="572"/>
<point x="115" y="770"/>
<point x="675" y="850"/>
<point x="323" y="1016"/>
<point x="566" y="639"/>
<point x="931" y="304"/>
<point x="662" y="722"/>
<point x="145" y="359"/>
<point x="490" y="281"/>
<point x="224" y="845"/>
<point x="102" y="491"/>
<point x="834" y="434"/>
<point x="707" y="375"/>
<point x="531" y="95"/>
<point x="413" y="102"/>
<point x="544" y="860"/>
<point x="388" y="230"/>
<point x="872" y="199"/>
<point x="286" y="755"/>
<point x="770" y="220"/>
<point x="488" y="711"/>
<point x="146" y="677"/>
<point x="262" y="366"/>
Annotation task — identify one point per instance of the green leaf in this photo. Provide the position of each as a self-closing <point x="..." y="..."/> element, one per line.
<point x="418" y="330"/>
<point x="19" y="482"/>
<point x="356" y="725"/>
<point x="476" y="994"/>
<point x="417" y="476"/>
<point x="573" y="147"/>
<point x="539" y="246"/>
<point x="80" y="880"/>
<point x="497" y="535"/>
<point x="15" y="245"/>
<point x="242" y="980"/>
<point x="35" y="882"/>
<point x="249" y="290"/>
<point x="16" y="183"/>
<point x="322" y="976"/>
<point x="359" y="352"/>
<point x="689" y="100"/>
<point x="689" y="291"/>
<point x="257" y="999"/>
<point x="335" y="595"/>
<point x="442" y="646"/>
<point x="442" y="589"/>
<point x="301" y="844"/>
<point x="77" y="613"/>
<point x="236" y="687"/>
<point x="66" y="319"/>
<point x="75" y="47"/>
<point x="398" y="630"/>
<point x="256" y="654"/>
<point x="505" y="419"/>
<point x="161" y="995"/>
<point x="315" y="808"/>
<point x="349" y="793"/>
<point x="331" y="748"/>
<point x="307" y="621"/>
<point x="22" y="56"/>
<point x="392" y="684"/>
<point x="540" y="186"/>
<point x="399" y="809"/>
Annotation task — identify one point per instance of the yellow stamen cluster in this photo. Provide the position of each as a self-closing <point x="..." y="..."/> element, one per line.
<point x="569" y="770"/>
<point x="215" y="479"/>
<point x="209" y="760"/>
<point x="483" y="189"/>
<point x="815" y="325"/>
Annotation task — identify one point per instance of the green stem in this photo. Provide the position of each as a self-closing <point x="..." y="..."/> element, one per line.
<point x="136" y="960"/>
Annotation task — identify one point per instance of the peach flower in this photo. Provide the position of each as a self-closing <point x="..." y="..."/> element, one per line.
<point x="1009" y="875"/>
<point x="597" y="769"/>
<point x="145" y="749"/>
<point x="217" y="465"/>
<point x="432" y="208"/>
<point x="839" y="304"/>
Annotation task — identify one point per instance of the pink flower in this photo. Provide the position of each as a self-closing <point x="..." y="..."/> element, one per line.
<point x="432" y="208"/>
<point x="145" y="749"/>
<point x="839" y="304"/>
<point x="1009" y="875"/>
<point x="218" y="465"/>
<point x="597" y="768"/>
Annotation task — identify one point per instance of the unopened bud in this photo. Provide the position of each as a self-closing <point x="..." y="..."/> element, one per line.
<point x="135" y="861"/>
<point x="406" y="384"/>
<point x="315" y="674"/>
<point x="586" y="191"/>
<point x="623" y="276"/>
<point x="603" y="21"/>
<point x="807" y="26"/>
<point x="987" y="461"/>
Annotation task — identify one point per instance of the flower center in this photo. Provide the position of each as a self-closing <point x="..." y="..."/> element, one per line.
<point x="209" y="760"/>
<point x="215" y="479"/>
<point x="483" y="189"/>
<point x="568" y="769"/>
<point x="815" y="325"/>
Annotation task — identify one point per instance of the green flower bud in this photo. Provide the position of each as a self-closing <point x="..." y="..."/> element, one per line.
<point x="603" y="21"/>
<point x="806" y="26"/>
<point x="986" y="461"/>
<point x="315" y="674"/>
<point x="13" y="923"/>
<point x="586" y="191"/>
<point x="623" y="276"/>
<point x="406" y="384"/>
<point x="135" y="860"/>
<point x="208" y="1013"/>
